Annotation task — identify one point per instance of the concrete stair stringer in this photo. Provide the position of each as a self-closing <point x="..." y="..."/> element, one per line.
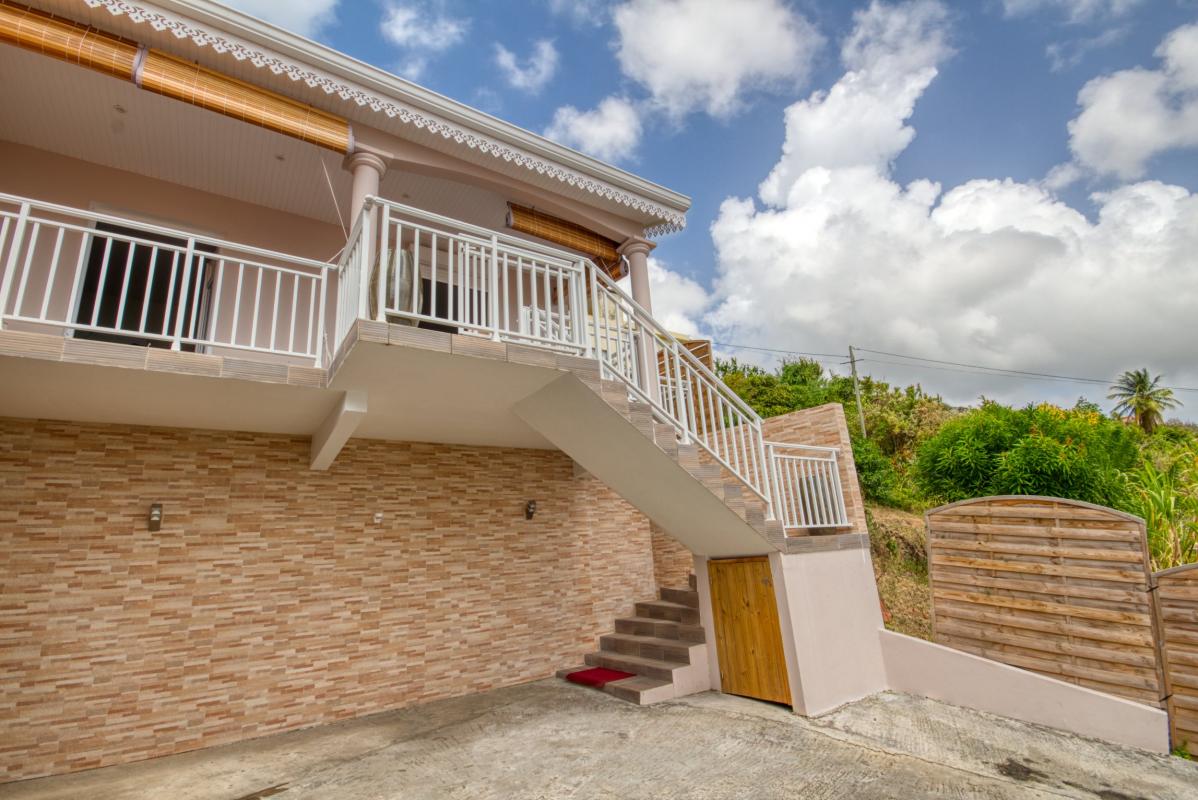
<point x="605" y="442"/>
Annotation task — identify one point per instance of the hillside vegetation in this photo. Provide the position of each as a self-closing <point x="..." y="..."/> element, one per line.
<point x="919" y="452"/>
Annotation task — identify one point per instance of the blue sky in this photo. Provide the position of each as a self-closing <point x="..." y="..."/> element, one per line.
<point x="891" y="224"/>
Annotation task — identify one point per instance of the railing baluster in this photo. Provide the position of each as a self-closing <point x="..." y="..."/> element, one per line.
<point x="295" y="282"/>
<point x="26" y="269"/>
<point x="151" y="269"/>
<point x="493" y="289"/>
<point x="165" y="326"/>
<point x="53" y="272"/>
<point x="188" y="257"/>
<point x="274" y="317"/>
<point x="10" y="269"/>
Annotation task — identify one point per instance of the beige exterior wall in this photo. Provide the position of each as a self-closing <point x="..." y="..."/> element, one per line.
<point x="270" y="599"/>
<point x="823" y="426"/>
<point x="43" y="175"/>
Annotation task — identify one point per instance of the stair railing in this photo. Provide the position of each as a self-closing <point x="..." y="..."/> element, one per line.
<point x="635" y="348"/>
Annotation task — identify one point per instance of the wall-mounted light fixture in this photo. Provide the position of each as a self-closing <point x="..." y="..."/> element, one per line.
<point x="530" y="508"/>
<point x="155" y="520"/>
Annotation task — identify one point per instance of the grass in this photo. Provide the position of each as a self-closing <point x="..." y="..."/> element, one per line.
<point x="901" y="568"/>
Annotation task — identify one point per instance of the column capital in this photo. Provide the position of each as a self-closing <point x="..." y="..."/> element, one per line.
<point x="364" y="158"/>
<point x="635" y="245"/>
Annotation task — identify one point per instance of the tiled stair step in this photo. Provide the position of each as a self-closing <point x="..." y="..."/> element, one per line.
<point x="637" y="665"/>
<point x="684" y="597"/>
<point x="666" y="438"/>
<point x="673" y="650"/>
<point x="663" y="609"/>
<point x="660" y="628"/>
<point x="641" y="690"/>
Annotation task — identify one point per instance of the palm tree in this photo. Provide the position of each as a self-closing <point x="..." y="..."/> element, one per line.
<point x="1143" y="398"/>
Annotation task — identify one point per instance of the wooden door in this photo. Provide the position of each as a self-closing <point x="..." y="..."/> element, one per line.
<point x="748" y="638"/>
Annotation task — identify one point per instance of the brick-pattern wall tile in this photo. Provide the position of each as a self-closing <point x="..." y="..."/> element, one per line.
<point x="270" y="600"/>
<point x="672" y="563"/>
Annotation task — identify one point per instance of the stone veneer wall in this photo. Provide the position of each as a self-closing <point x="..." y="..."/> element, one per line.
<point x="270" y="599"/>
<point x="672" y="563"/>
<point x="824" y="426"/>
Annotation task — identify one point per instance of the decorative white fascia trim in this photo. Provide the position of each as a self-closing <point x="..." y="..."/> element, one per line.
<point x="671" y="221"/>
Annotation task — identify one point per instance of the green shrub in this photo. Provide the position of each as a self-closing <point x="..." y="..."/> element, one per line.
<point x="1078" y="454"/>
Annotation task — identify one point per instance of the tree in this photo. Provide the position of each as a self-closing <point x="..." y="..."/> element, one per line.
<point x="1143" y="398"/>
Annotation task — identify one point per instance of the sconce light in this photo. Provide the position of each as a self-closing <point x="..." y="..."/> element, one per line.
<point x="155" y="521"/>
<point x="530" y="508"/>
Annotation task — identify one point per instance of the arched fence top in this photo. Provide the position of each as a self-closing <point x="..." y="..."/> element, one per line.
<point x="1035" y="499"/>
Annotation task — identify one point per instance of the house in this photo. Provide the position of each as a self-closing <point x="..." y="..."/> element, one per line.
<point x="320" y="395"/>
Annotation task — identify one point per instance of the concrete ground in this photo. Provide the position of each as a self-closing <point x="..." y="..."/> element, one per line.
<point x="551" y="739"/>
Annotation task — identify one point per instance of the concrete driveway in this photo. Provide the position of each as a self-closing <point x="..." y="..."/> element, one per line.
<point x="551" y="739"/>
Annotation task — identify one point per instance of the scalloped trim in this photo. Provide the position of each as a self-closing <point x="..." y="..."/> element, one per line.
<point x="671" y="221"/>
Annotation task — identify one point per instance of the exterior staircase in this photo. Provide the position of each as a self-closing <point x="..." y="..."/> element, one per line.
<point x="676" y="484"/>
<point x="662" y="645"/>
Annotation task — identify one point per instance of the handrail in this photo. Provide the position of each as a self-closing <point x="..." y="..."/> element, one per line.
<point x="690" y="357"/>
<point x="161" y="230"/>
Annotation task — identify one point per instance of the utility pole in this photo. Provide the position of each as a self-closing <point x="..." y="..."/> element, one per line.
<point x="857" y="391"/>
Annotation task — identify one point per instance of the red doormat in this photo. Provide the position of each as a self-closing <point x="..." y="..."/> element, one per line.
<point x="598" y="676"/>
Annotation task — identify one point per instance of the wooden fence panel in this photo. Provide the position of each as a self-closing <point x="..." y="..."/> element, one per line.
<point x="1054" y="586"/>
<point x="1177" y="608"/>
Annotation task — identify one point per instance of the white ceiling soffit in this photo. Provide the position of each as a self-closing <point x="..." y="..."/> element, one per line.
<point x="258" y="52"/>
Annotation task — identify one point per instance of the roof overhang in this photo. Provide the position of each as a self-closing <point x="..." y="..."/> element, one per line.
<point x="256" y="51"/>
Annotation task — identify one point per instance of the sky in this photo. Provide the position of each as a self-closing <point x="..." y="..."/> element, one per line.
<point x="1003" y="183"/>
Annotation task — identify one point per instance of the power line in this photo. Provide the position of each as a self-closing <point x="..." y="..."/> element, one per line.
<point x="965" y="368"/>
<point x="983" y="366"/>
<point x="783" y="352"/>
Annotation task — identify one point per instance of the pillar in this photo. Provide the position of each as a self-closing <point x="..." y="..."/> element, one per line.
<point x="367" y="170"/>
<point x="637" y="251"/>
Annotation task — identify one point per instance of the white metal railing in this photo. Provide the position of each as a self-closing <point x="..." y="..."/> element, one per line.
<point x="99" y="276"/>
<point x="632" y="346"/>
<point x="807" y="489"/>
<point x="419" y="267"/>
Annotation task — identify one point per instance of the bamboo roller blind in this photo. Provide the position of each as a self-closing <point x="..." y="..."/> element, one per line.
<point x="170" y="76"/>
<point x="566" y="233"/>
<point x="44" y="33"/>
<point x="205" y="88"/>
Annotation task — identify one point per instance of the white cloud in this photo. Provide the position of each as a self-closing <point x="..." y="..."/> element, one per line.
<point x="705" y="54"/>
<point x="1132" y="115"/>
<point x="678" y="301"/>
<point x="993" y="272"/>
<point x="1074" y="10"/>
<point x="892" y="55"/>
<point x="610" y="131"/>
<point x="305" y="17"/>
<point x="422" y="31"/>
<point x="534" y="73"/>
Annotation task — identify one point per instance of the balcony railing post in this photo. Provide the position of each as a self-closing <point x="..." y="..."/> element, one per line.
<point x="493" y="292"/>
<point x="10" y="269"/>
<point x="594" y="281"/>
<point x="324" y="294"/>
<point x="580" y="311"/>
<point x="181" y="309"/>
<point x="385" y="264"/>
<point x="774" y="482"/>
<point x="367" y="262"/>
